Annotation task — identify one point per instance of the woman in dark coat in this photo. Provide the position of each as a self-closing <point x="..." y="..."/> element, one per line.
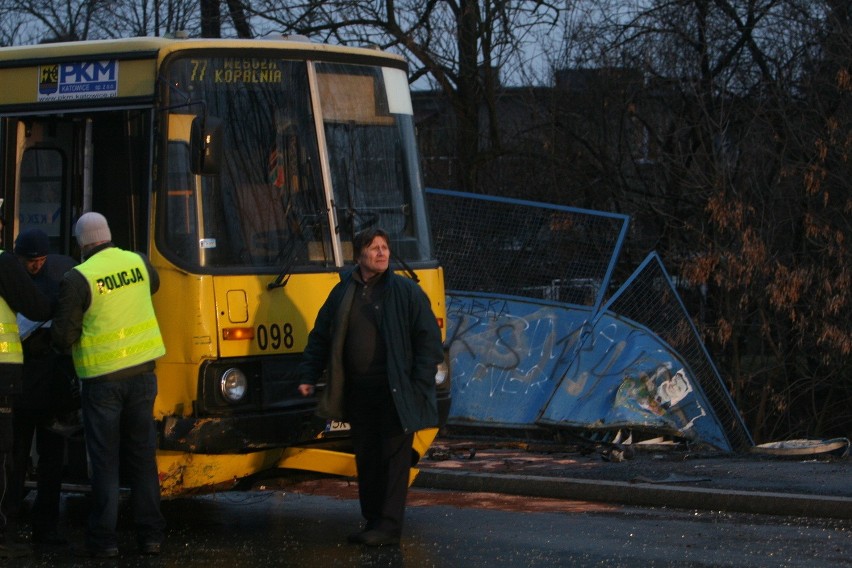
<point x="379" y="341"/>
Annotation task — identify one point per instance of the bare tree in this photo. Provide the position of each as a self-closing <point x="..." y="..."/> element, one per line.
<point x="239" y="19"/>
<point x="32" y="21"/>
<point x="13" y="27"/>
<point x="211" y="18"/>
<point x="743" y="184"/>
<point x="128" y="18"/>
<point x="54" y="20"/>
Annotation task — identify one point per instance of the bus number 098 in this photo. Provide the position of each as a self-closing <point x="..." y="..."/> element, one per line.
<point x="275" y="336"/>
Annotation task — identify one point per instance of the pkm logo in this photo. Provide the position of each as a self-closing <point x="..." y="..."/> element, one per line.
<point x="89" y="72"/>
<point x="78" y="80"/>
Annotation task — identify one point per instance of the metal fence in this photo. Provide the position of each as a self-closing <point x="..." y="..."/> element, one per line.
<point x="499" y="246"/>
<point x="650" y="299"/>
<point x="523" y="248"/>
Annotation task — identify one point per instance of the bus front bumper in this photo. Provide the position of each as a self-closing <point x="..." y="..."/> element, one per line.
<point x="238" y="434"/>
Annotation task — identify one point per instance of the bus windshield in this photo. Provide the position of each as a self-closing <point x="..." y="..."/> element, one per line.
<point x="287" y="190"/>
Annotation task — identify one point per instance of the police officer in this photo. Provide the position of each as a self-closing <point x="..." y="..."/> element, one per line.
<point x="18" y="294"/>
<point x="106" y="317"/>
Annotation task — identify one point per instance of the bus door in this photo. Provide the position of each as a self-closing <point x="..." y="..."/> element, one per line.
<point x="58" y="166"/>
<point x="66" y="164"/>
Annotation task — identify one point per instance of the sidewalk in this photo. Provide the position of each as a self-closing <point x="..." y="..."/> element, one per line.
<point x="812" y="486"/>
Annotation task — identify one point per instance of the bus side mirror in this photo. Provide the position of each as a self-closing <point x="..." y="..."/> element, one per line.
<point x="205" y="145"/>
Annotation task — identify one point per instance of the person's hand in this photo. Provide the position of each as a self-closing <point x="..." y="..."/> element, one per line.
<point x="306" y="389"/>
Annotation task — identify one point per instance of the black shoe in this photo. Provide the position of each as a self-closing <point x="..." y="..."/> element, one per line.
<point x="52" y="538"/>
<point x="356" y="538"/>
<point x="377" y="537"/>
<point x="86" y="552"/>
<point x="149" y="548"/>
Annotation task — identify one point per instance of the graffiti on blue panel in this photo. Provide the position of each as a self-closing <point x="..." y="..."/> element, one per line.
<point x="625" y="377"/>
<point x="518" y="362"/>
<point x="505" y="355"/>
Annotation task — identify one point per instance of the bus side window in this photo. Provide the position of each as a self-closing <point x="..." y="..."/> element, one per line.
<point x="42" y="179"/>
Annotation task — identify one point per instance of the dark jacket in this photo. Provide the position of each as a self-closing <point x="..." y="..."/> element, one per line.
<point x="412" y="339"/>
<point x="17" y="288"/>
<point x="47" y="374"/>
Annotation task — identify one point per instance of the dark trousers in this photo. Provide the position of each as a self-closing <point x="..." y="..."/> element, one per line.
<point x="51" y="458"/>
<point x="119" y="425"/>
<point x="5" y="463"/>
<point x="382" y="456"/>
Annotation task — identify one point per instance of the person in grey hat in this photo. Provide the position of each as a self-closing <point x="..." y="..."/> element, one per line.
<point x="48" y="380"/>
<point x="18" y="294"/>
<point x="106" y="318"/>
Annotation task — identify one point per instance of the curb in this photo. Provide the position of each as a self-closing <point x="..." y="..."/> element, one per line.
<point x="642" y="494"/>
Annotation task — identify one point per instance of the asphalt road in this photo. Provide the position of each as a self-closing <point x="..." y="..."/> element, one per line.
<point x="306" y="525"/>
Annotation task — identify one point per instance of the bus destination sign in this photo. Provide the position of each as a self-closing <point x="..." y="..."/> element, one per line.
<point x="231" y="71"/>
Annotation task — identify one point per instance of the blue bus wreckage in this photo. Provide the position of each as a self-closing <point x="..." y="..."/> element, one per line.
<point x="540" y="338"/>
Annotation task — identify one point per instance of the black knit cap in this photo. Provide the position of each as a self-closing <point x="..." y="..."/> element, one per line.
<point x="32" y="243"/>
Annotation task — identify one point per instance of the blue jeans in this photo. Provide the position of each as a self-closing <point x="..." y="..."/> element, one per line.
<point x="119" y="426"/>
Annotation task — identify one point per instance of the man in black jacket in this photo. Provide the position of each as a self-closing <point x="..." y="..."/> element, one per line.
<point x="379" y="341"/>
<point x="46" y="394"/>
<point x="18" y="294"/>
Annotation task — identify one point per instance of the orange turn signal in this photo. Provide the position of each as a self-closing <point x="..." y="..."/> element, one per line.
<point x="237" y="333"/>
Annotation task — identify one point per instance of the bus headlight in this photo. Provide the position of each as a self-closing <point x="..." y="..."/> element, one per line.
<point x="442" y="373"/>
<point x="233" y="385"/>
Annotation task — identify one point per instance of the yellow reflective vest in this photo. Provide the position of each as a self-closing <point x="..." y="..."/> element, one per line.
<point x="120" y="329"/>
<point x="10" y="340"/>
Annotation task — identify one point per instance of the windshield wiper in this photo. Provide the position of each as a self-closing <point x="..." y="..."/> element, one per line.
<point x="284" y="276"/>
<point x="291" y="256"/>
<point x="408" y="270"/>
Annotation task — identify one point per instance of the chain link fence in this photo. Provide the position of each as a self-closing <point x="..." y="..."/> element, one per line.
<point x="649" y="299"/>
<point x="520" y="248"/>
<point x="502" y="246"/>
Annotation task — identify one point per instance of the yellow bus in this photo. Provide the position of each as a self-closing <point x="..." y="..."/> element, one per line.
<point x="242" y="168"/>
